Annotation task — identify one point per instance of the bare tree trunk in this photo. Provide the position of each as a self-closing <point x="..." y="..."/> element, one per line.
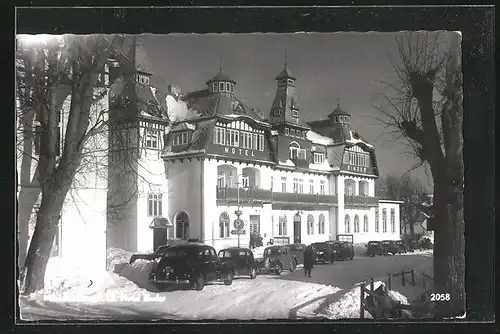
<point x="449" y="248"/>
<point x="412" y="231"/>
<point x="27" y="200"/>
<point x="42" y="241"/>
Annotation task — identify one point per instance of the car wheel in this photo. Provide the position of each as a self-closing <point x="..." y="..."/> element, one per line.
<point x="292" y="266"/>
<point x="279" y="270"/>
<point x="199" y="283"/>
<point x="352" y="258"/>
<point x="253" y="273"/>
<point x="229" y="279"/>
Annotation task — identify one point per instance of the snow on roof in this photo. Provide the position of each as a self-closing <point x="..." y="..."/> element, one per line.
<point x="321" y="166"/>
<point x="319" y="139"/>
<point x="274" y="132"/>
<point x="356" y="141"/>
<point x="238" y="116"/>
<point x="286" y="163"/>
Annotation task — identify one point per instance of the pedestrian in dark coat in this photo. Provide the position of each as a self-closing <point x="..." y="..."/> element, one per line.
<point x="308" y="261"/>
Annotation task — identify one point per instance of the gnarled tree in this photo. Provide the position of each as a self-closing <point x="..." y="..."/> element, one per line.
<point x="427" y="111"/>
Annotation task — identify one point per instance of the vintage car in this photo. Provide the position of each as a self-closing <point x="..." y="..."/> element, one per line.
<point x="390" y="247"/>
<point x="276" y="259"/>
<point x="242" y="259"/>
<point x="374" y="248"/>
<point x="343" y="250"/>
<point x="323" y="252"/>
<point x="402" y="246"/>
<point x="298" y="252"/>
<point x="192" y="265"/>
<point x="150" y="256"/>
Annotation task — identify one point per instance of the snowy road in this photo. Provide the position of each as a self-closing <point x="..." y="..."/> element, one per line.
<point x="288" y="296"/>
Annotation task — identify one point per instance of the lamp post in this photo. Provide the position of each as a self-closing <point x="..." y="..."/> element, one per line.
<point x="238" y="212"/>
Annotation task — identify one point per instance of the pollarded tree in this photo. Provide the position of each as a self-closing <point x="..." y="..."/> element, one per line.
<point x="427" y="112"/>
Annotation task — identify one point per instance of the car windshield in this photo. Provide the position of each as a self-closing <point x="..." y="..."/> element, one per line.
<point x="273" y="251"/>
<point x="320" y="246"/>
<point x="374" y="243"/>
<point x="180" y="252"/>
<point x="386" y="242"/>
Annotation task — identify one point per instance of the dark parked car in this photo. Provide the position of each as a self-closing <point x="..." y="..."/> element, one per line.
<point x="343" y="250"/>
<point x="242" y="259"/>
<point x="323" y="252"/>
<point x="402" y="246"/>
<point x="390" y="246"/>
<point x="150" y="256"/>
<point x="192" y="265"/>
<point x="276" y="259"/>
<point x="298" y="252"/>
<point x="374" y="248"/>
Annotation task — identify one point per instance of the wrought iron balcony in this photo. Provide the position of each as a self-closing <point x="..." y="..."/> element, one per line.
<point x="329" y="200"/>
<point x="247" y="195"/>
<point x="360" y="201"/>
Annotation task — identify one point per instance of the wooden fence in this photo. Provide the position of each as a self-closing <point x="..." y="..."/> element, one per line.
<point x="407" y="277"/>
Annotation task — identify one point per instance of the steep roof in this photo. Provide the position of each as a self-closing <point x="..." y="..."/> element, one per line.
<point x="220" y="77"/>
<point x="151" y="100"/>
<point x="334" y="155"/>
<point x="199" y="140"/>
<point x="338" y="112"/>
<point x="285" y="74"/>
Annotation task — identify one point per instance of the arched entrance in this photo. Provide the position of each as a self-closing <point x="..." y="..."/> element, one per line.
<point x="297" y="229"/>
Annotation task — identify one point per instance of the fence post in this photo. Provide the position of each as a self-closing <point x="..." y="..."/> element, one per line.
<point x="412" y="277"/>
<point x="390" y="282"/>
<point x="372" y="283"/>
<point x="361" y="303"/>
<point x="403" y="277"/>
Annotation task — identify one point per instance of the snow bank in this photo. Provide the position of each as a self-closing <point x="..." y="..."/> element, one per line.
<point x="116" y="256"/>
<point x="347" y="307"/>
<point x="138" y="272"/>
<point x="424" y="252"/>
<point x="258" y="252"/>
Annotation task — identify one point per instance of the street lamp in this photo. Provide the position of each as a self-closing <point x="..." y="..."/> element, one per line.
<point x="238" y="212"/>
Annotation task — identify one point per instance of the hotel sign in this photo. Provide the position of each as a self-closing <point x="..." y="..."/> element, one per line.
<point x="239" y="151"/>
<point x="358" y="169"/>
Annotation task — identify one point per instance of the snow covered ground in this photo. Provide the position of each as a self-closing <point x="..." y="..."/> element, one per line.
<point x="423" y="252"/>
<point x="73" y="294"/>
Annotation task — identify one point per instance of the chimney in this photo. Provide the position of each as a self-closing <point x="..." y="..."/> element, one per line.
<point x="176" y="90"/>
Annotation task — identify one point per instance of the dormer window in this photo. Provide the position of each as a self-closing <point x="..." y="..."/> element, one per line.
<point x="152" y="138"/>
<point x="319" y="158"/>
<point x="336" y="119"/>
<point x="277" y="112"/>
<point x="221" y="86"/>
<point x="228" y="87"/>
<point x="215" y="87"/>
<point x="181" y="138"/>
<point x="290" y="81"/>
<point x="232" y="88"/>
<point x="287" y="132"/>
<point x="142" y="79"/>
<point x="295" y="113"/>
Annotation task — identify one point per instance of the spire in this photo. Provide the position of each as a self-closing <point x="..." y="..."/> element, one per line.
<point x="220" y="63"/>
<point x="285" y="58"/>
<point x="338" y="102"/>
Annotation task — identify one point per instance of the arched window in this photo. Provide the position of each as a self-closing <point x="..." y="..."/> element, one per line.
<point x="384" y="220"/>
<point x="224" y="225"/>
<point x="376" y="221"/>
<point x="282" y="225"/>
<point x="349" y="187"/>
<point x="347" y="224"/>
<point x="294" y="149"/>
<point x="393" y="221"/>
<point x="310" y="224"/>
<point x="321" y="224"/>
<point x="356" y="224"/>
<point x="182" y="225"/>
<point x="365" y="223"/>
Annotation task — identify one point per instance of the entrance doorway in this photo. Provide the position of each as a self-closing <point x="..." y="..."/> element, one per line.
<point x="296" y="229"/>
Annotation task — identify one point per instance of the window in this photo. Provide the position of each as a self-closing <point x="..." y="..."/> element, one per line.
<point x="287" y="131"/>
<point x="180" y="138"/>
<point x="321" y="224"/>
<point x="310" y="224"/>
<point x="254" y="226"/>
<point x="215" y="87"/>
<point x="384" y="220"/>
<point x="277" y="112"/>
<point x="295" y="113"/>
<point x="221" y="180"/>
<point x="182" y="225"/>
<point x="349" y="189"/>
<point x="154" y="205"/>
<point x="221" y="86"/>
<point x="318" y="158"/>
<point x="282" y="225"/>
<point x="295" y="185"/>
<point x="292" y="132"/>
<point x="258" y="142"/>
<point x="152" y="138"/>
<point x="376" y="221"/>
<point x="322" y="187"/>
<point x="232" y="88"/>
<point x="245" y="181"/>
<point x="246" y="140"/>
<point x="219" y="135"/>
<point x="346" y="158"/>
<point x="224" y="225"/>
<point x="336" y="119"/>
<point x="356" y="224"/>
<point x="293" y="150"/>
<point x="311" y="186"/>
<point x="393" y="221"/>
<point x="283" y="184"/>
<point x="290" y="81"/>
<point x="365" y="223"/>
<point x="347" y="224"/>
<point x="302" y="154"/>
<point x="232" y="138"/>
<point x="301" y="186"/>
<point x="228" y="87"/>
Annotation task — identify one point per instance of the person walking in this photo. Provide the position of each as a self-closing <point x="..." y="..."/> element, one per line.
<point x="308" y="261"/>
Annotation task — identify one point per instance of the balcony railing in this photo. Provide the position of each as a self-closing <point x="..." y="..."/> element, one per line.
<point x="361" y="201"/>
<point x="267" y="196"/>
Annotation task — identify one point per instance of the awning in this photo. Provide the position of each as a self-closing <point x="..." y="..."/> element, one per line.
<point x="160" y="222"/>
